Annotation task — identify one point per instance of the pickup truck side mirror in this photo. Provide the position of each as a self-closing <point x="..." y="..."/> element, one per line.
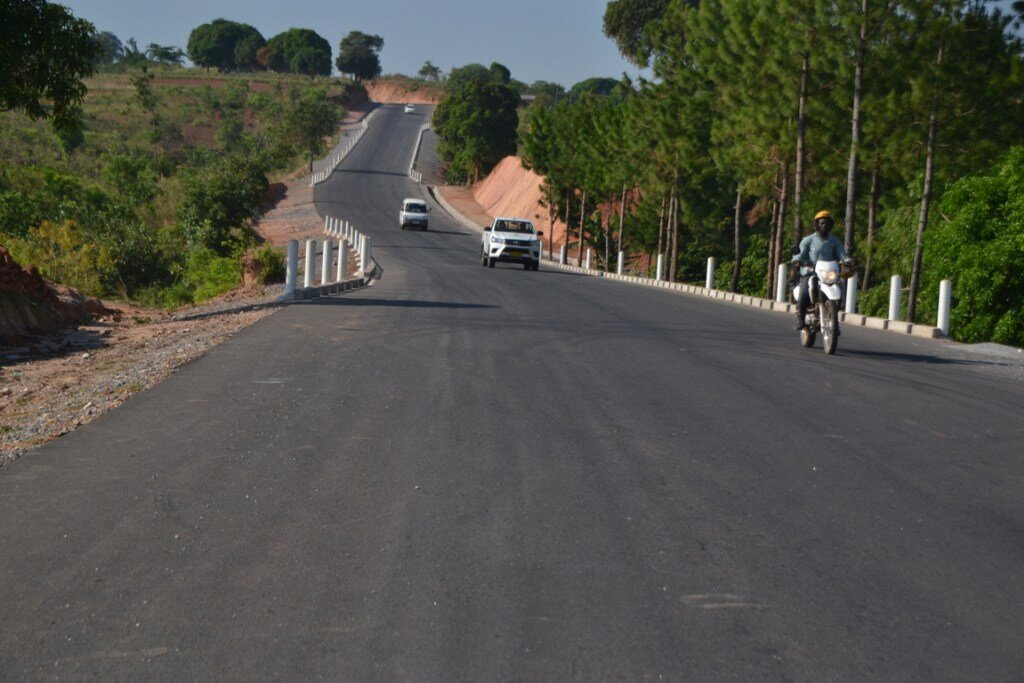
<point x="487" y="228"/>
<point x="540" y="234"/>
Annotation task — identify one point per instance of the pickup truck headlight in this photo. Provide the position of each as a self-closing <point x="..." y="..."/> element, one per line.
<point x="497" y="240"/>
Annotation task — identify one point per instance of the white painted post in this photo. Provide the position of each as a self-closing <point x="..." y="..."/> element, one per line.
<point x="327" y="224"/>
<point x="343" y="260"/>
<point x="561" y="255"/>
<point x="660" y="271"/>
<point x="945" y="299"/>
<point x="310" y="263"/>
<point x="895" y="291"/>
<point x="620" y="268"/>
<point x="293" y="267"/>
<point x="589" y="253"/>
<point x="851" y="294"/>
<point x="780" y="283"/>
<point x="365" y="254"/>
<point x="709" y="279"/>
<point x="325" y="264"/>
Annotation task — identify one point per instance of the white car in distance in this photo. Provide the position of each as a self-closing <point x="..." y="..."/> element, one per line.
<point x="410" y="109"/>
<point x="413" y="214"/>
<point x="511" y="240"/>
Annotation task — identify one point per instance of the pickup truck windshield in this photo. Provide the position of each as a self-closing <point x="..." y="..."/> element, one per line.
<point x="416" y="208"/>
<point x="513" y="226"/>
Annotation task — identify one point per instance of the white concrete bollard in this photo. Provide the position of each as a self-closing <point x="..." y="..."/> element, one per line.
<point x="589" y="254"/>
<point x="310" y="263"/>
<point x="895" y="292"/>
<point x="326" y="261"/>
<point x="851" y="294"/>
<point x="780" y="283"/>
<point x="945" y="300"/>
<point x="327" y="224"/>
<point x="343" y="260"/>
<point x="364" y="254"/>
<point x="621" y="266"/>
<point x="292" y="267"/>
<point x="659" y="274"/>
<point x="561" y="255"/>
<point x="709" y="278"/>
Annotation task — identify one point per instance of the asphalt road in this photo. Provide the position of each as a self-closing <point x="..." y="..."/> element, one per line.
<point x="463" y="473"/>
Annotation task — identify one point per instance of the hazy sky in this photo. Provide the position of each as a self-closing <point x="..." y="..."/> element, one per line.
<point x="551" y="40"/>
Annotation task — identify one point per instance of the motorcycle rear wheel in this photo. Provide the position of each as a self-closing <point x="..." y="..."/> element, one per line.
<point x="830" y="325"/>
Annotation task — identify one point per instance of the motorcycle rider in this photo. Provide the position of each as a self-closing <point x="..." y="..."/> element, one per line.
<point x="818" y="246"/>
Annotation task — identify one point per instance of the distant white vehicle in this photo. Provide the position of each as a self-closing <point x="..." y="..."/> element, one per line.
<point x="410" y="109"/>
<point x="413" y="214"/>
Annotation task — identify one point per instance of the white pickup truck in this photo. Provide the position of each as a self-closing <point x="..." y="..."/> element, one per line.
<point x="413" y="214"/>
<point x="511" y="240"/>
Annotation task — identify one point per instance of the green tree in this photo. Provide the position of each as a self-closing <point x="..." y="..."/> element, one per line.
<point x="45" y="52"/>
<point x="110" y="48"/>
<point x="247" y="51"/>
<point x="476" y="125"/>
<point x="359" y="55"/>
<point x="500" y="74"/>
<point x="626" y="22"/>
<point x="429" y="72"/>
<point x="213" y="45"/>
<point x="979" y="245"/>
<point x="463" y="75"/>
<point x="594" y="86"/>
<point x="307" y="121"/>
<point x="316" y="52"/>
<point x="218" y="200"/>
<point x="165" y="54"/>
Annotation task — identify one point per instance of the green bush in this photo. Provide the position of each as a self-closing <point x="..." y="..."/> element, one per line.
<point x="979" y="246"/>
<point x="207" y="274"/>
<point x="269" y="262"/>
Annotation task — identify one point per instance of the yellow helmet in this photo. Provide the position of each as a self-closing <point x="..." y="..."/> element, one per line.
<point x="822" y="214"/>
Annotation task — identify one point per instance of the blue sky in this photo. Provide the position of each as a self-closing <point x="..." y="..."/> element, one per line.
<point x="551" y="40"/>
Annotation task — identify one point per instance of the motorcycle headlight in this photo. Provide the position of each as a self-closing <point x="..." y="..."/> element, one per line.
<point x="829" y="277"/>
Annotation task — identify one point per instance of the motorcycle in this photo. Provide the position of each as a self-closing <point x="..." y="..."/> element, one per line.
<point x="825" y="289"/>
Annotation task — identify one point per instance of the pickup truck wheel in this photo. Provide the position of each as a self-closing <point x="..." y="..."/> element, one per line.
<point x="527" y="266"/>
<point x="483" y="258"/>
<point x="403" y="226"/>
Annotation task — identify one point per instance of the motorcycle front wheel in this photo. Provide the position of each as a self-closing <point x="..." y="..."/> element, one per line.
<point x="830" y="325"/>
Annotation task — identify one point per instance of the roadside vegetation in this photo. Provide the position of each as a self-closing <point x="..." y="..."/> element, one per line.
<point x="142" y="183"/>
<point x="904" y="119"/>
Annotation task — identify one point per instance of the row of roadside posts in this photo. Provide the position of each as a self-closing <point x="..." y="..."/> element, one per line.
<point x="348" y="238"/>
<point x="781" y="289"/>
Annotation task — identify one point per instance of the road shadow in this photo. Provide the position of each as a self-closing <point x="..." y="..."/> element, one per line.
<point x="388" y="303"/>
<point x="62" y="343"/>
<point x="222" y="311"/>
<point x="919" y="358"/>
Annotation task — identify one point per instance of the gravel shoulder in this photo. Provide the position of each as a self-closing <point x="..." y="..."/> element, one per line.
<point x="56" y="383"/>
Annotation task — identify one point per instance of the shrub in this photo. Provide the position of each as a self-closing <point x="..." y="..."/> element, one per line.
<point x="208" y="274"/>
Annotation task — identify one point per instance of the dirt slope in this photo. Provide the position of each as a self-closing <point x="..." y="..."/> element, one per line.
<point x="511" y="190"/>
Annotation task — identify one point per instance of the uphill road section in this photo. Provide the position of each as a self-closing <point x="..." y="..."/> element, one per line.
<point x="482" y="473"/>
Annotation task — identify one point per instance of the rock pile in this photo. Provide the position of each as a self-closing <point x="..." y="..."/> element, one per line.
<point x="30" y="304"/>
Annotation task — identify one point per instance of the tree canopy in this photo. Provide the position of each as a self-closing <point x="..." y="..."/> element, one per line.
<point x="476" y="124"/>
<point x="300" y="50"/>
<point x="213" y="45"/>
<point x="45" y="52"/>
<point x="359" y="55"/>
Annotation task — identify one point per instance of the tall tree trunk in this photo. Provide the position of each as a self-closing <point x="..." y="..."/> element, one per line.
<point x="872" y="224"/>
<point x="661" y="220"/>
<point x="674" y="220"/>
<point x="851" y="170"/>
<point x="608" y="231"/>
<point x="622" y="216"/>
<point x="769" y="276"/>
<point x="583" y="218"/>
<point x="780" y="238"/>
<point x="737" y="241"/>
<point x="801" y="137"/>
<point x="926" y="198"/>
<point x="568" y="203"/>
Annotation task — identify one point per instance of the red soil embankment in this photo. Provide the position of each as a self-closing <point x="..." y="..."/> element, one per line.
<point x="514" y="191"/>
